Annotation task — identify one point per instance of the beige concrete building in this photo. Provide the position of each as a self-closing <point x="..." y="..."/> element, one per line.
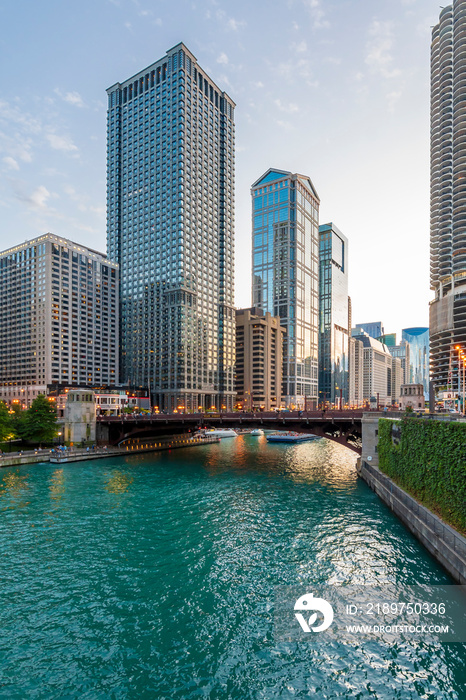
<point x="397" y="379"/>
<point x="58" y="318"/>
<point x="382" y="373"/>
<point x="80" y="415"/>
<point x="356" y="373"/>
<point x="259" y="358"/>
<point x="412" y="395"/>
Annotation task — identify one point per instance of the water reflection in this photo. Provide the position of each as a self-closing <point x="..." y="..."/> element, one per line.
<point x="118" y="482"/>
<point x="57" y="485"/>
<point x="14" y="484"/>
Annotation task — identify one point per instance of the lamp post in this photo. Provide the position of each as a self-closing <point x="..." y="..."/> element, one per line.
<point x="464" y="367"/>
<point x="459" y="349"/>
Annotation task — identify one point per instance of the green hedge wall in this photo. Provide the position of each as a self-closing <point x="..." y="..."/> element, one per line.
<point x="429" y="462"/>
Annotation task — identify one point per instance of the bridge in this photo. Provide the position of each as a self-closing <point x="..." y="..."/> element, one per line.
<point x="344" y="427"/>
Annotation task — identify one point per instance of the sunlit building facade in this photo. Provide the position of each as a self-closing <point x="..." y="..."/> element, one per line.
<point x="285" y="259"/>
<point x="448" y="190"/>
<point x="259" y="360"/>
<point x="58" y="318"/>
<point x="334" y="331"/>
<point x="418" y="340"/>
<point x="170" y="221"/>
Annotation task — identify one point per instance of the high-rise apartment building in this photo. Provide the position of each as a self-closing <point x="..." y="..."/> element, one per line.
<point x="58" y="318"/>
<point x="170" y="219"/>
<point x="334" y="331"/>
<point x="285" y="259"/>
<point x="259" y="359"/>
<point x="448" y="190"/>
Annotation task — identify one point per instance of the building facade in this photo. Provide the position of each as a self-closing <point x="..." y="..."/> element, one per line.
<point x="412" y="395"/>
<point x="419" y="364"/>
<point x="58" y="318"/>
<point x="170" y="221"/>
<point x="402" y="352"/>
<point x="382" y="373"/>
<point x="389" y="339"/>
<point x="448" y="190"/>
<point x="334" y="331"/>
<point x="285" y="259"/>
<point x="375" y="329"/>
<point x="356" y="376"/>
<point x="259" y="360"/>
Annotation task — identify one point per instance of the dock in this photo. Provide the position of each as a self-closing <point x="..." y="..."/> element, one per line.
<point x="83" y="454"/>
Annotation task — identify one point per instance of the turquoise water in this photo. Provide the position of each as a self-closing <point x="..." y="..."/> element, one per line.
<point x="153" y="577"/>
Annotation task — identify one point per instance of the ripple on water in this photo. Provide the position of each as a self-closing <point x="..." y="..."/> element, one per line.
<point x="153" y="577"/>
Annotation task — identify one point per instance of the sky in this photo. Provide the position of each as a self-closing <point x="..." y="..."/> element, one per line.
<point x="337" y="90"/>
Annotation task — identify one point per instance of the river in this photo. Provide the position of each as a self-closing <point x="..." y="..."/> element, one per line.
<point x="153" y="577"/>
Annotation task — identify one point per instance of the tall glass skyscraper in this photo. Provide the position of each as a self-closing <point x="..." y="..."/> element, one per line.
<point x="170" y="221"/>
<point x="285" y="259"/>
<point x="448" y="190"/>
<point x="418" y="339"/>
<point x="334" y="331"/>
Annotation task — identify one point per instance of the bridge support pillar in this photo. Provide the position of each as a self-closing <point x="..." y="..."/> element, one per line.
<point x="370" y="438"/>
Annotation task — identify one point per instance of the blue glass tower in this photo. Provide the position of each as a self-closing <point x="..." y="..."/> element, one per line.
<point x="170" y="203"/>
<point x="285" y="258"/>
<point x="334" y="331"/>
<point x="418" y="339"/>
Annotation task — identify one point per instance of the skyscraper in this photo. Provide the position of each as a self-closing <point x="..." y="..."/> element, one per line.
<point x="418" y="340"/>
<point x="58" y="318"/>
<point x="448" y="190"/>
<point x="285" y="259"/>
<point x="170" y="220"/>
<point x="334" y="331"/>
<point x="375" y="329"/>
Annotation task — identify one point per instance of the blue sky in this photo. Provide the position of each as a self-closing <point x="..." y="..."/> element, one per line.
<point x="334" y="89"/>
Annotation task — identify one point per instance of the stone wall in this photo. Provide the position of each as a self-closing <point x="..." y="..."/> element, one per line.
<point x="442" y="541"/>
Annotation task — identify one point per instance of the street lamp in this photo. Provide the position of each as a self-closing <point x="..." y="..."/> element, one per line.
<point x="459" y="349"/>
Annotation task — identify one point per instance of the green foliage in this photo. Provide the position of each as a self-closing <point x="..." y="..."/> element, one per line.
<point x="39" y="423"/>
<point x="6" y="426"/>
<point x="429" y="462"/>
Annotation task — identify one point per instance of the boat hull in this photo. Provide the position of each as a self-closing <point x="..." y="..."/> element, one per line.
<point x="303" y="437"/>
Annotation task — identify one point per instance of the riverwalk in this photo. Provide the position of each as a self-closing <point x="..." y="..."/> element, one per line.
<point x="61" y="455"/>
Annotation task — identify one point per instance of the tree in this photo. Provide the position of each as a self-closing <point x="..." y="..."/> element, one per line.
<point x="5" y="422"/>
<point x="40" y="421"/>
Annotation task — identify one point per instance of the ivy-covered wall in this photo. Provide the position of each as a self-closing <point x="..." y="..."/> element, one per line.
<point x="428" y="459"/>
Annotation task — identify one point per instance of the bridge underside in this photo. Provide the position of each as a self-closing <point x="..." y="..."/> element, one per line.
<point x="346" y="432"/>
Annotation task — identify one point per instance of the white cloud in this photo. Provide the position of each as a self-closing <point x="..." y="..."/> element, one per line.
<point x="39" y="197"/>
<point x="379" y="49"/>
<point x="299" y="48"/>
<point x="72" y="98"/>
<point x="234" y="24"/>
<point x="290" y="107"/>
<point x="287" y="126"/>
<point x="223" y="58"/>
<point x="11" y="162"/>
<point x="61" y="143"/>
<point x="228" y="22"/>
<point x="317" y="14"/>
<point x="393" y="98"/>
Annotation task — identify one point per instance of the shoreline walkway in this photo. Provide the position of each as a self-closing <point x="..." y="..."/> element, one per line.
<point x="132" y="447"/>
